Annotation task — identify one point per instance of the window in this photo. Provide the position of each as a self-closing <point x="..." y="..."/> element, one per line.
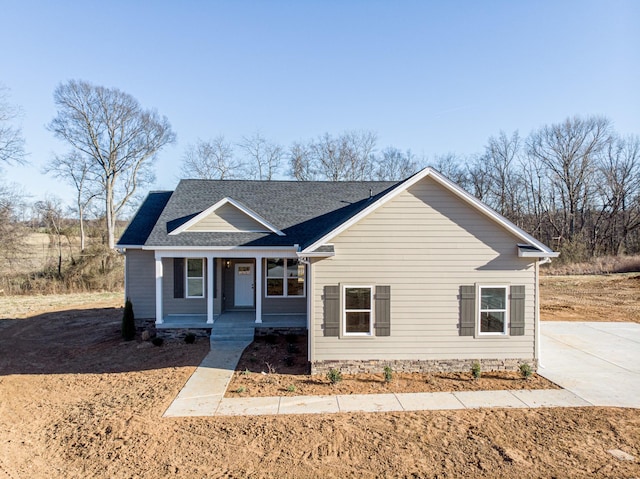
<point x="357" y="304"/>
<point x="285" y="277"/>
<point x="195" y="278"/>
<point x="493" y="310"/>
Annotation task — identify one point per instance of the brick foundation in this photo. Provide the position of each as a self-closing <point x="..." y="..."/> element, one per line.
<point x="419" y="366"/>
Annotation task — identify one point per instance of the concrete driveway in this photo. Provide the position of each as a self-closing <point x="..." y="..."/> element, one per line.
<point x="599" y="362"/>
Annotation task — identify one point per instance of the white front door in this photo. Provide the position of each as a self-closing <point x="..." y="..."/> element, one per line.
<point x="243" y="287"/>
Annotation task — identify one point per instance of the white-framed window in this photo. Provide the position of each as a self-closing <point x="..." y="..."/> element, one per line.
<point x="195" y="278"/>
<point x="492" y="309"/>
<point x="357" y="310"/>
<point x="284" y="278"/>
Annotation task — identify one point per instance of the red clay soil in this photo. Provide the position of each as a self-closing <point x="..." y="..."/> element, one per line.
<point x="277" y="366"/>
<point x="78" y="402"/>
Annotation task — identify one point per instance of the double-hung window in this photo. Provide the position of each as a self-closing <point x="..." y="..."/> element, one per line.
<point x="493" y="310"/>
<point x="285" y="277"/>
<point x="195" y="278"/>
<point x="357" y="310"/>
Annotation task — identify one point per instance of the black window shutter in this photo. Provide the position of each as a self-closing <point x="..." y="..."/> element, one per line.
<point x="383" y="311"/>
<point x="178" y="277"/>
<point x="332" y="310"/>
<point x="516" y="312"/>
<point x="467" y="310"/>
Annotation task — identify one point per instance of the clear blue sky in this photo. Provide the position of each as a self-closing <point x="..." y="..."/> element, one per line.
<point x="433" y="77"/>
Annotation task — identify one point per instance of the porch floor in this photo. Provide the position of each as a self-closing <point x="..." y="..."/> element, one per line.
<point x="233" y="324"/>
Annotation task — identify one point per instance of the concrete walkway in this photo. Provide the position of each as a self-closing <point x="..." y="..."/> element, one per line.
<point x="206" y="386"/>
<point x="597" y="361"/>
<point x="598" y="364"/>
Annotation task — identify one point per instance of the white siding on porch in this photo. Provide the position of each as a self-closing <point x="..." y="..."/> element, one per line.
<point x="425" y="244"/>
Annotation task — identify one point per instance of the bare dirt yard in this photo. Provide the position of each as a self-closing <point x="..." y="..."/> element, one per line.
<point x="607" y="297"/>
<point x="78" y="402"/>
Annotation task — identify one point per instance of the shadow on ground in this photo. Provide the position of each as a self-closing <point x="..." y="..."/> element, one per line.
<point x="85" y="341"/>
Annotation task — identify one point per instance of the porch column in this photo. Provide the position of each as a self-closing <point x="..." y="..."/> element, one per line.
<point x="258" y="289"/>
<point x="210" y="272"/>
<point x="159" y="290"/>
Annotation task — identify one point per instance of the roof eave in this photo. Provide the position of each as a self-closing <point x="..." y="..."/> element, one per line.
<point x="535" y="254"/>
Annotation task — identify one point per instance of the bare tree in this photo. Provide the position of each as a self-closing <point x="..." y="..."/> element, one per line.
<point x="451" y="166"/>
<point x="263" y="158"/>
<point x="12" y="232"/>
<point x="620" y="189"/>
<point x="301" y="162"/>
<point x="211" y="160"/>
<point x="76" y="170"/>
<point x="50" y="213"/>
<point x="502" y="156"/>
<point x="11" y="140"/>
<point x="569" y="152"/>
<point x="115" y="134"/>
<point x="393" y="164"/>
<point x="347" y="157"/>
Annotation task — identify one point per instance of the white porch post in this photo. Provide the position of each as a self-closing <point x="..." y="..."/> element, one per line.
<point x="258" y="289"/>
<point x="210" y="272"/>
<point x="159" y="290"/>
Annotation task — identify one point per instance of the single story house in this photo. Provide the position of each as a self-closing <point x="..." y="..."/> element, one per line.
<point x="416" y="274"/>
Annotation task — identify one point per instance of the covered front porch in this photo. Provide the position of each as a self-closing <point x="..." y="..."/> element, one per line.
<point x="198" y="289"/>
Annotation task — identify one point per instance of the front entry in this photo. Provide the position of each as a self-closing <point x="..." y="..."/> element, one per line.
<point x="243" y="285"/>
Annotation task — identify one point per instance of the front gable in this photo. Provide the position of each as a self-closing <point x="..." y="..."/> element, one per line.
<point x="468" y="206"/>
<point x="227" y="216"/>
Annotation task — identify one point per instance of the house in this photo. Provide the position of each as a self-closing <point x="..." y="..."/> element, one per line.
<point x="416" y="274"/>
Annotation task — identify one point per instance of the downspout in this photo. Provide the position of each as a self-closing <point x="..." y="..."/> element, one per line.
<point x="310" y="354"/>
<point x="536" y="344"/>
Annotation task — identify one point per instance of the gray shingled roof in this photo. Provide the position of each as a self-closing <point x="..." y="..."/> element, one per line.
<point x="145" y="219"/>
<point x="303" y="211"/>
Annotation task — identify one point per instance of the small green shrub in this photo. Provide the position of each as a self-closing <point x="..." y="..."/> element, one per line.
<point x="128" y="322"/>
<point x="241" y="389"/>
<point x="246" y="372"/>
<point x="525" y="371"/>
<point x="157" y="341"/>
<point x="291" y="388"/>
<point x="388" y="374"/>
<point x="476" y="370"/>
<point x="334" y="376"/>
<point x="190" y="338"/>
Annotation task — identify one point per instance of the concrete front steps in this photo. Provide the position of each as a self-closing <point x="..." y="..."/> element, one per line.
<point x="231" y="332"/>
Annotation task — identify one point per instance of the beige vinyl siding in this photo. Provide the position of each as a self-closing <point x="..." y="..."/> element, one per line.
<point x="171" y="305"/>
<point x="141" y="282"/>
<point x="425" y="244"/>
<point x="227" y="218"/>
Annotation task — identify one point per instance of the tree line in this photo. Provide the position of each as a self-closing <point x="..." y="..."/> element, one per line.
<point x="575" y="184"/>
